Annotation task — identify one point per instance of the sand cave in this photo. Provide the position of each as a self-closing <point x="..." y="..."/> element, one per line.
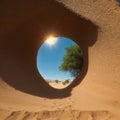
<point x="94" y="25"/>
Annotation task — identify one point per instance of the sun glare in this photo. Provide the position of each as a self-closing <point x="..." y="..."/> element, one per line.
<point x="51" y="40"/>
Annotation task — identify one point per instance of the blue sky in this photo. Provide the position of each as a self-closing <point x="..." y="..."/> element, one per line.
<point x="49" y="58"/>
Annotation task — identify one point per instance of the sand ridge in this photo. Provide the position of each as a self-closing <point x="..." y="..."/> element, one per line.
<point x="55" y="115"/>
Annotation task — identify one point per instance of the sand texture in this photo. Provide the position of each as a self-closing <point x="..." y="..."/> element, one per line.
<point x="94" y="25"/>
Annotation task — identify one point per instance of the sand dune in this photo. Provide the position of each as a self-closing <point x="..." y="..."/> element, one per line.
<point x="94" y="94"/>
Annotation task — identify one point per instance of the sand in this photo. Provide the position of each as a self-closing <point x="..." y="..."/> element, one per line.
<point x="15" y="105"/>
<point x="59" y="85"/>
<point x="94" y="25"/>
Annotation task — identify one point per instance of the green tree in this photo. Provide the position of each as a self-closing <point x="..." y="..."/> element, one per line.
<point x="73" y="60"/>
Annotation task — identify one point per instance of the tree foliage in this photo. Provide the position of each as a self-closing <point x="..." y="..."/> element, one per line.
<point x="72" y="61"/>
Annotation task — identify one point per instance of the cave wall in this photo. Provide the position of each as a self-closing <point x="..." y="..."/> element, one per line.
<point x="94" y="25"/>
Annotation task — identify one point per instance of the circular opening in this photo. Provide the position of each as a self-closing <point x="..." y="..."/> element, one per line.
<point x="59" y="61"/>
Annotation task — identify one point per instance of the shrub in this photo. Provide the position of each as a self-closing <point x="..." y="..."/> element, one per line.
<point x="57" y="81"/>
<point x="65" y="82"/>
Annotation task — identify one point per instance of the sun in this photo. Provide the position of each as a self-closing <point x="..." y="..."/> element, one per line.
<point x="51" y="40"/>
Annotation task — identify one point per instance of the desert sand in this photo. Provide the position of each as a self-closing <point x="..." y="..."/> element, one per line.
<point x="59" y="85"/>
<point x="16" y="105"/>
<point x="94" y="25"/>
